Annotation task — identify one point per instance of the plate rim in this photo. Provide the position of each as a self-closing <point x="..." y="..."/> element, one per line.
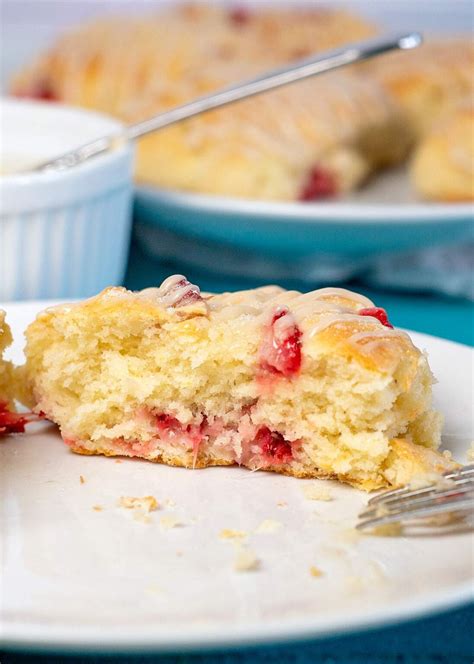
<point x="246" y="634"/>
<point x="69" y="639"/>
<point x="338" y="213"/>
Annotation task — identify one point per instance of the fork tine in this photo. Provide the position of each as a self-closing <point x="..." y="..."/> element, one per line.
<point x="457" y="475"/>
<point x="459" y="504"/>
<point x="390" y="497"/>
<point x="413" y="501"/>
<point x="426" y="492"/>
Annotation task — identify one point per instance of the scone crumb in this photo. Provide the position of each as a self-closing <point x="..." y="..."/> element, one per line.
<point x="315" y="571"/>
<point x="229" y="533"/>
<point x="246" y="560"/>
<point x="146" y="504"/>
<point x="170" y="502"/>
<point x="316" y="491"/>
<point x="170" y="521"/>
<point x="140" y="516"/>
<point x="97" y="508"/>
<point x="269" y="526"/>
<point x="81" y="479"/>
<point x="282" y="503"/>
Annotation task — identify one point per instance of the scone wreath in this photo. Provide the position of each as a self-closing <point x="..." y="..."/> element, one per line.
<point x="10" y="421"/>
<point x="310" y="385"/>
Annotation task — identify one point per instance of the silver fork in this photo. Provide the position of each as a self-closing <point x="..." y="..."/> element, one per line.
<point x="452" y="493"/>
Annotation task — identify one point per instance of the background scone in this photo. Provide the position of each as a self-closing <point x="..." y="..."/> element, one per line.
<point x="310" y="385"/>
<point x="314" y="140"/>
<point x="443" y="164"/>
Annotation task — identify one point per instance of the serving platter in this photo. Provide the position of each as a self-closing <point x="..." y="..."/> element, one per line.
<point x="79" y="572"/>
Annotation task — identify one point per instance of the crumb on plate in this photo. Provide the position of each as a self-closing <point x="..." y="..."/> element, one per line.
<point x="146" y="504"/>
<point x="315" y="571"/>
<point x="170" y="521"/>
<point x="229" y="533"/>
<point x="81" y="479"/>
<point x="269" y="526"/>
<point x="246" y="560"/>
<point x="316" y="491"/>
<point x="141" y="517"/>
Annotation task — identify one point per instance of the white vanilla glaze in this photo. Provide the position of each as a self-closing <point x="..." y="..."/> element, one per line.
<point x="283" y="325"/>
<point x="172" y="290"/>
<point x="313" y="312"/>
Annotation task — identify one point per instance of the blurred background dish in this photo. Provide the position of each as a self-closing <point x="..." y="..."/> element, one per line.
<point x="297" y="183"/>
<point x="326" y="180"/>
<point x="318" y="139"/>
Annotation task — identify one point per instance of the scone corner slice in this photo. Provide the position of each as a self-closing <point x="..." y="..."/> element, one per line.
<point x="310" y="385"/>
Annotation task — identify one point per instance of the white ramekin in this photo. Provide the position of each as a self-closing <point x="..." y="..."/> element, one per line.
<point x="62" y="234"/>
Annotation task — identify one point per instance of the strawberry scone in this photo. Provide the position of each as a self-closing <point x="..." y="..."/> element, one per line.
<point x="311" y="385"/>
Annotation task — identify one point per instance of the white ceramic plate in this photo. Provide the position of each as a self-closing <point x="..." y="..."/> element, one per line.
<point x="76" y="578"/>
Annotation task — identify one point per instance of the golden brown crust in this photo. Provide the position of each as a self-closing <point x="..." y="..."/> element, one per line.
<point x="443" y="163"/>
<point x="405" y="461"/>
<point x="429" y="82"/>
<point x="205" y="462"/>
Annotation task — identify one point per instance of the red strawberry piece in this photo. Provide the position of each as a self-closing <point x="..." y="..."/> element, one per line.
<point x="281" y="349"/>
<point x="11" y="422"/>
<point x="320" y="183"/>
<point x="169" y="424"/>
<point x="240" y="16"/>
<point x="378" y="313"/>
<point x="275" y="449"/>
<point x="41" y="90"/>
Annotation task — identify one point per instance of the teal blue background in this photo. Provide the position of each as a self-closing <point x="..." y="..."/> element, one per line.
<point x="444" y="639"/>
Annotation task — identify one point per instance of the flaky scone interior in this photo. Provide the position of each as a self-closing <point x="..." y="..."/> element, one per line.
<point x="310" y="385"/>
